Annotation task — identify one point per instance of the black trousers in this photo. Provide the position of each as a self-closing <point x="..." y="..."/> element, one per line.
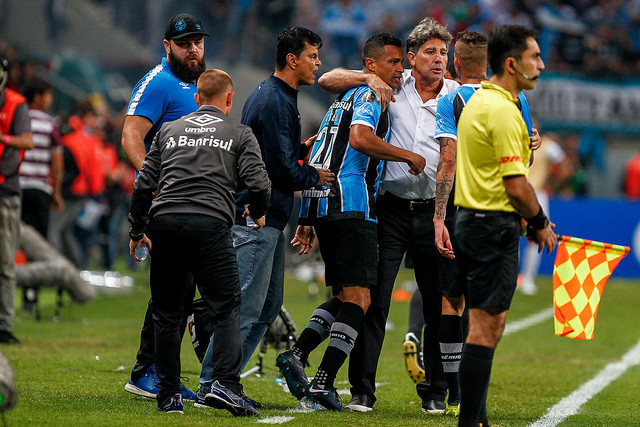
<point x="198" y="245"/>
<point x="401" y="229"/>
<point x="35" y="210"/>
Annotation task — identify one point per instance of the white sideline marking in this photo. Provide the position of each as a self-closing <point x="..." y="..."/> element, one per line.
<point x="539" y="317"/>
<point x="570" y="404"/>
<point x="275" y="420"/>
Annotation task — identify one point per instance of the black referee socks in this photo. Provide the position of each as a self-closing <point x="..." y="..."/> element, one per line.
<point x="475" y="371"/>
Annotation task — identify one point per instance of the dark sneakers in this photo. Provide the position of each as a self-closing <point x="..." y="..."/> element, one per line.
<point x="7" y="337"/>
<point x="250" y="401"/>
<point x="433" y="406"/>
<point x="172" y="405"/>
<point x="328" y="398"/>
<point x="293" y="371"/>
<point x="360" y="403"/>
<point x="222" y="397"/>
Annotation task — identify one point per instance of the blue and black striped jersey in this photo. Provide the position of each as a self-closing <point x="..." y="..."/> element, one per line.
<point x="354" y="191"/>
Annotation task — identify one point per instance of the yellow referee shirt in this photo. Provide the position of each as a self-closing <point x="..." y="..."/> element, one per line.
<point x="493" y="142"/>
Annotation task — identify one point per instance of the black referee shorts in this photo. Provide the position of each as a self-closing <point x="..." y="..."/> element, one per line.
<point x="349" y="249"/>
<point x="488" y="245"/>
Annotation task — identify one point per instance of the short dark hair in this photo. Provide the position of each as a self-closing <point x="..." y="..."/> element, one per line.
<point x="471" y="48"/>
<point x="377" y="42"/>
<point x="35" y="86"/>
<point x="507" y="41"/>
<point x="292" y="40"/>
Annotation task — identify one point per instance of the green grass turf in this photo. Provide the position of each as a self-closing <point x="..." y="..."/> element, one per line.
<point x="73" y="372"/>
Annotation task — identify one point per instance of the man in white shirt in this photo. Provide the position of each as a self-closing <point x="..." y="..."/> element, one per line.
<point x="405" y="209"/>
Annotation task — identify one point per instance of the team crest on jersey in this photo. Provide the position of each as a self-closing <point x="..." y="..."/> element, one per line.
<point x="369" y="96"/>
<point x="203" y="120"/>
<point x="181" y="25"/>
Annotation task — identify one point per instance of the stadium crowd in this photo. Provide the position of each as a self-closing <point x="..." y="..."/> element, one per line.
<point x="576" y="37"/>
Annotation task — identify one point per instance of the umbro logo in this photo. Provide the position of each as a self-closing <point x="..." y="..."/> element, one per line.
<point x="203" y="120"/>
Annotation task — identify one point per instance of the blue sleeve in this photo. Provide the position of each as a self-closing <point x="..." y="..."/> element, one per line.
<point x="149" y="99"/>
<point x="281" y="148"/>
<point x="445" y="119"/>
<point x="366" y="110"/>
<point x="526" y="112"/>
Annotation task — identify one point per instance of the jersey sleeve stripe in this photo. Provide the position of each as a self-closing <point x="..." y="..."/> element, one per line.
<point x="362" y="122"/>
<point x="131" y="111"/>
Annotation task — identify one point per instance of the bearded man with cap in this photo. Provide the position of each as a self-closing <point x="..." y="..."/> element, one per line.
<point x="15" y="136"/>
<point x="164" y="94"/>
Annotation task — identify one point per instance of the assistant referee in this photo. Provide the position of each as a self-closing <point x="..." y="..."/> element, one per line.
<point x="493" y="194"/>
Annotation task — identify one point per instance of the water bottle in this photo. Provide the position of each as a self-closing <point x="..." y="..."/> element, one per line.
<point x="142" y="252"/>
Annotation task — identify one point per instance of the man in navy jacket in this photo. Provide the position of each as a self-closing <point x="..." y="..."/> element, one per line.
<point x="272" y="113"/>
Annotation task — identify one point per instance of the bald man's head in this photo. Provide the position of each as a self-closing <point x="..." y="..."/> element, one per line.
<point x="215" y="88"/>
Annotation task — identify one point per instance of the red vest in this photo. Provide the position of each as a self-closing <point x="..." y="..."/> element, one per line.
<point x="12" y="100"/>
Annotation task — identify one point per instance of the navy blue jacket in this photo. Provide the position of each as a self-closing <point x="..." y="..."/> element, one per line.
<point x="271" y="111"/>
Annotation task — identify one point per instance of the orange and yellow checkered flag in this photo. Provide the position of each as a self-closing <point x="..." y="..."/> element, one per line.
<point x="580" y="272"/>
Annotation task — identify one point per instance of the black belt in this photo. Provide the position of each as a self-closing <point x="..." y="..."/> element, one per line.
<point x="411" y="204"/>
<point x="481" y="214"/>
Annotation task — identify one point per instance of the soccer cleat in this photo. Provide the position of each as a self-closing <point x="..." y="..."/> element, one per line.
<point x="293" y="371"/>
<point x="146" y="385"/>
<point x="222" y="397"/>
<point x="360" y="403"/>
<point x="172" y="405"/>
<point x="328" y="398"/>
<point x="452" y="410"/>
<point x="433" y="406"/>
<point x="411" y="349"/>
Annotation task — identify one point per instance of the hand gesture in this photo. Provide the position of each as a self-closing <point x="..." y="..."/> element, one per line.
<point x="443" y="242"/>
<point x="416" y="164"/>
<point x="303" y="239"/>
<point x="325" y="177"/>
<point x="384" y="93"/>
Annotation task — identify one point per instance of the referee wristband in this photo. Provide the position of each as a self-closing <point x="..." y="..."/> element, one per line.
<point x="539" y="221"/>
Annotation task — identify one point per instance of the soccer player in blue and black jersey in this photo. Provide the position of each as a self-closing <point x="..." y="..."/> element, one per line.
<point x="351" y="143"/>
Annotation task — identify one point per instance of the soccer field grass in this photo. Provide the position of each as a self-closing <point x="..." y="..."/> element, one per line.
<point x="73" y="372"/>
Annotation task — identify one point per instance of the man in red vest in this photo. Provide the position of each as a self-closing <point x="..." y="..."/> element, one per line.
<point x="15" y="136"/>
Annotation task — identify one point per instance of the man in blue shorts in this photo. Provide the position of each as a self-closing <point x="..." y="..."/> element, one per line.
<point x="351" y="142"/>
<point x="164" y="94"/>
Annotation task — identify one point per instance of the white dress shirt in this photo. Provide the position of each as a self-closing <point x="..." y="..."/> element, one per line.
<point x="413" y="126"/>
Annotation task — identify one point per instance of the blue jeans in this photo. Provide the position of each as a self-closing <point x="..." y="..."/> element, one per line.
<point x="260" y="256"/>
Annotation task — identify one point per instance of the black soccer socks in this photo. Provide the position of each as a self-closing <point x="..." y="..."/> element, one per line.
<point x="317" y="330"/>
<point x="343" y="335"/>
<point x="475" y="371"/>
<point x="451" y="340"/>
